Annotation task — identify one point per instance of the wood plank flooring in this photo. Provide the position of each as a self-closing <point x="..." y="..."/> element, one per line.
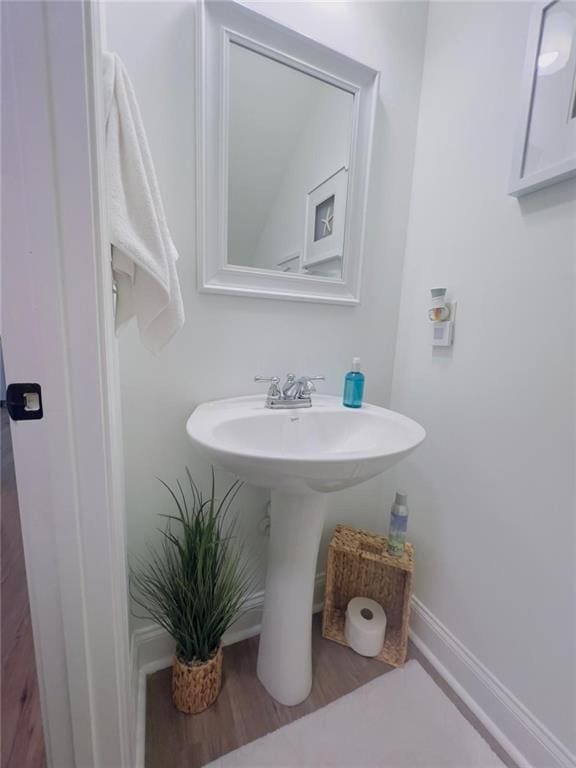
<point x="244" y="711"/>
<point x="22" y="743"/>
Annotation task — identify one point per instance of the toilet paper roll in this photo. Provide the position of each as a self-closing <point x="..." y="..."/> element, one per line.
<point x="365" y="626"/>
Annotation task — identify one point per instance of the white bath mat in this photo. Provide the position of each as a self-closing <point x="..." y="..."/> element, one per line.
<point x="399" y="720"/>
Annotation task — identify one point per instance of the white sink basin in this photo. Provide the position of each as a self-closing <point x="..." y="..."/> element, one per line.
<point x="301" y="455"/>
<point x="324" y="448"/>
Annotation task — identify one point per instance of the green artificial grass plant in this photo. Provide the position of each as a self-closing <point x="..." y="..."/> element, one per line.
<point x="194" y="583"/>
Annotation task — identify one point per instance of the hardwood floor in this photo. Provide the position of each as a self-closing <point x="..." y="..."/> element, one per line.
<point x="22" y="743"/>
<point x="244" y="711"/>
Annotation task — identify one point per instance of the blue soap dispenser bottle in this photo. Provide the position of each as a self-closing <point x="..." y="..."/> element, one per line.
<point x="354" y="386"/>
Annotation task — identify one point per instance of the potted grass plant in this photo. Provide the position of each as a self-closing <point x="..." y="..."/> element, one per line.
<point x="194" y="583"/>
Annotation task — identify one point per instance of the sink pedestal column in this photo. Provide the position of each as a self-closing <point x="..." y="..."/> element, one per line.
<point x="285" y="652"/>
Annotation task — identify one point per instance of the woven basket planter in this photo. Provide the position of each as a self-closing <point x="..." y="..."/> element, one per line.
<point x="195" y="687"/>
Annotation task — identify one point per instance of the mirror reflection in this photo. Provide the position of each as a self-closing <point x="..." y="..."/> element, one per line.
<point x="288" y="159"/>
<point x="552" y="126"/>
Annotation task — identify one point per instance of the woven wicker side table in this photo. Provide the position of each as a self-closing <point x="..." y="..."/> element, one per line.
<point x="359" y="566"/>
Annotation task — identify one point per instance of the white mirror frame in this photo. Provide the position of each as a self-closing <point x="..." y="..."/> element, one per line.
<point x="221" y="22"/>
<point x="520" y="183"/>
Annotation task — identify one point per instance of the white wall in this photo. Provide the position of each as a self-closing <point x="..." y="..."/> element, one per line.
<point x="227" y="340"/>
<point x="491" y="490"/>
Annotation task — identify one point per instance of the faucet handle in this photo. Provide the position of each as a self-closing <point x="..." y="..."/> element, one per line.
<point x="273" y="389"/>
<point x="308" y="384"/>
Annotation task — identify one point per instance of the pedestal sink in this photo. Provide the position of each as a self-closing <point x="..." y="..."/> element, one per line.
<point x="301" y="455"/>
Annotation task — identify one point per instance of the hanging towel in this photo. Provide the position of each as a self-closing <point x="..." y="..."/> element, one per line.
<point x="143" y="254"/>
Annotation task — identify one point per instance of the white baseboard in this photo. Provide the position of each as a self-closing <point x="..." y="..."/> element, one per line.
<point x="528" y="741"/>
<point x="152" y="649"/>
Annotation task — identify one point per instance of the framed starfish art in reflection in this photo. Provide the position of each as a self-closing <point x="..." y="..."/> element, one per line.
<point x="325" y="219"/>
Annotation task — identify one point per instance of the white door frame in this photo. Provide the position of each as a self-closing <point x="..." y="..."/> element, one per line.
<point x="57" y="331"/>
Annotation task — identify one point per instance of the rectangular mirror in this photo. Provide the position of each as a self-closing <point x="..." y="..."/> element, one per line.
<point x="284" y="148"/>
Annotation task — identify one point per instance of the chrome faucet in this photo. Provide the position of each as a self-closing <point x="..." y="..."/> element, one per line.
<point x="294" y="393"/>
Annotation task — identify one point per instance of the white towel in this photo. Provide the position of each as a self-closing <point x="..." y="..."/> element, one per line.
<point x="143" y="254"/>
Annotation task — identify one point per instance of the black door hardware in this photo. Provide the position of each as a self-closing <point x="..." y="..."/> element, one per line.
<point x="23" y="401"/>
